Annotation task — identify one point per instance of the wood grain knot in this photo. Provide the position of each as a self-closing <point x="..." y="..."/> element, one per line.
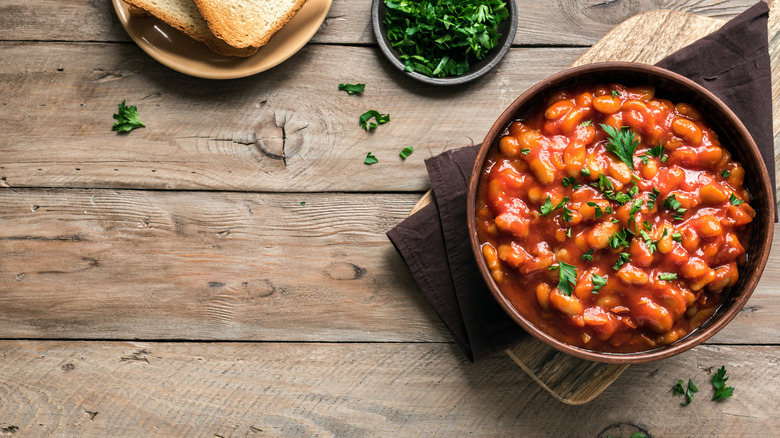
<point x="583" y="13"/>
<point x="344" y="271"/>
<point x="68" y="367"/>
<point x="621" y="430"/>
<point x="9" y="430"/>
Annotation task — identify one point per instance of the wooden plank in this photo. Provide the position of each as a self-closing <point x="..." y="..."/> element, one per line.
<point x="288" y="129"/>
<point x="564" y="22"/>
<point x="231" y="390"/>
<point x="107" y="264"/>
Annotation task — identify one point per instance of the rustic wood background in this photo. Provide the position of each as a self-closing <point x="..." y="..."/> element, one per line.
<point x="170" y="282"/>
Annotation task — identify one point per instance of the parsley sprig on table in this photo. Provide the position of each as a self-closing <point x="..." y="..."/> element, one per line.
<point x="381" y="119"/>
<point x="127" y="119"/>
<point x="622" y="143"/>
<point x="352" y="88"/>
<point x="687" y="392"/>
<point x="719" y="382"/>
<point x="441" y="38"/>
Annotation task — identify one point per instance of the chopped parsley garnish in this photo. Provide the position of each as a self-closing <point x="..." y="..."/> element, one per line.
<point x="566" y="216"/>
<point x="352" y="88"/>
<point x="667" y="276"/>
<point x="734" y="200"/>
<point x="571" y="181"/>
<point x="598" y="212"/>
<point x="645" y="159"/>
<point x="525" y="151"/>
<point x="677" y="237"/>
<point x="647" y="225"/>
<point x="405" y="152"/>
<point x="567" y="278"/>
<point x="725" y="174"/>
<point x="633" y="191"/>
<point x="598" y="282"/>
<point x="588" y="256"/>
<point x="649" y="243"/>
<point x="608" y="189"/>
<point x="442" y="38"/>
<point x="671" y="203"/>
<point x="657" y="151"/>
<point x="653" y="196"/>
<point x="586" y="123"/>
<point x="621" y="238"/>
<point x="615" y="93"/>
<point x="622" y="143"/>
<point x="127" y="119"/>
<point x="687" y="392"/>
<point x="370" y="159"/>
<point x="623" y="258"/>
<point x="548" y="207"/>
<point x="568" y="232"/>
<point x="719" y="382"/>
<point x="635" y="207"/>
<point x="585" y="171"/>
<point x="381" y="119"/>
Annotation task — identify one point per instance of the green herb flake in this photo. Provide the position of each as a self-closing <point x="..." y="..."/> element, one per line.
<point x="571" y="181"/>
<point x="585" y="171"/>
<point x="671" y="203"/>
<point x="405" y="152"/>
<point x="548" y="207"/>
<point x="725" y="174"/>
<point x="525" y="151"/>
<point x="370" y="159"/>
<point x="568" y="232"/>
<point x="588" y="256"/>
<point x="303" y="202"/>
<point x="443" y="38"/>
<point x="635" y="207"/>
<point x="647" y="225"/>
<point x="719" y="382"/>
<point x="586" y="123"/>
<point x="598" y="212"/>
<point x="598" y="282"/>
<point x="622" y="143"/>
<point x="381" y="119"/>
<point x="687" y="392"/>
<point x="645" y="159"/>
<point x="567" y="278"/>
<point x="653" y="196"/>
<point x="677" y="237"/>
<point x="352" y="88"/>
<point x="734" y="200"/>
<point x="615" y="93"/>
<point x="638" y="435"/>
<point x="667" y="276"/>
<point x="127" y="119"/>
<point x="623" y="258"/>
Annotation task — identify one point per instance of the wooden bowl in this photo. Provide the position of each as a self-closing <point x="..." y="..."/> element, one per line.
<point x="731" y="132"/>
<point x="507" y="29"/>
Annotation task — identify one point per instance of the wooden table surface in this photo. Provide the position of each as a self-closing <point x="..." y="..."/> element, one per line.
<point x="172" y="281"/>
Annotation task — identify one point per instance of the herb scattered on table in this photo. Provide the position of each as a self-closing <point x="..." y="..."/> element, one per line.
<point x="405" y="152"/>
<point x="127" y="119"/>
<point x="370" y="159"/>
<point x="352" y="88"/>
<point x="687" y="392"/>
<point x="719" y="382"/>
<point x="442" y="38"/>
<point x="303" y="202"/>
<point x="622" y="143"/>
<point x="381" y="119"/>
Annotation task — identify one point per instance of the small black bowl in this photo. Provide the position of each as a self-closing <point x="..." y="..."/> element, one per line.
<point x="506" y="28"/>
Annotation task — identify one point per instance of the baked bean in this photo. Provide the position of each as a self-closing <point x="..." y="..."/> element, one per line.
<point x="567" y="304"/>
<point x="690" y="240"/>
<point x="600" y="234"/>
<point x="666" y="244"/>
<point x="650" y="170"/>
<point x="509" y="146"/>
<point x="543" y="295"/>
<point x="491" y="257"/>
<point x="651" y="315"/>
<point x="687" y="130"/>
<point x="630" y="274"/>
<point x="645" y="93"/>
<point x="713" y="194"/>
<point x="558" y="109"/>
<point x="607" y="104"/>
<point x="585" y="100"/>
<point x="543" y="170"/>
<point x="695" y="268"/>
<point x="709" y="227"/>
<point x="736" y="177"/>
<point x="688" y="111"/>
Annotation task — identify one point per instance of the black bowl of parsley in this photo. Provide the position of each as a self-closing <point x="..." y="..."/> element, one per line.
<point x="444" y="42"/>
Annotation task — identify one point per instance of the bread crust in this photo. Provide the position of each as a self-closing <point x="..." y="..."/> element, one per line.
<point x="227" y="29"/>
<point x="197" y="31"/>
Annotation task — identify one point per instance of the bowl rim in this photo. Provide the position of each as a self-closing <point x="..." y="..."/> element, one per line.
<point x="390" y="53"/>
<point x="752" y="153"/>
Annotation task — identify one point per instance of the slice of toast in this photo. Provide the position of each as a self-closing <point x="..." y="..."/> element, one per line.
<point x="184" y="16"/>
<point x="246" y="23"/>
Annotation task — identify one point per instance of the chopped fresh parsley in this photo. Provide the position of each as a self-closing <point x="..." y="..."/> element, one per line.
<point x="615" y="93"/>
<point x="585" y="171"/>
<point x="734" y="200"/>
<point x="623" y="258"/>
<point x="567" y="278"/>
<point x="621" y="238"/>
<point x="381" y="119"/>
<point x="671" y="203"/>
<point x="725" y="174"/>
<point x="653" y="196"/>
<point x="635" y="207"/>
<point x="352" y="88"/>
<point x="598" y="282"/>
<point x="649" y="243"/>
<point x="566" y="216"/>
<point x="405" y="152"/>
<point x="647" y="225"/>
<point x="525" y="151"/>
<point x="586" y="123"/>
<point x="677" y="237"/>
<point x="719" y="382"/>
<point x="687" y="392"/>
<point x="370" y="159"/>
<point x="633" y="191"/>
<point x="645" y="159"/>
<point x="588" y="256"/>
<point x="303" y="202"/>
<point x="443" y="38"/>
<point x="667" y="276"/>
<point x="127" y="119"/>
<point x="571" y="181"/>
<point x="598" y="212"/>
<point x="548" y="207"/>
<point x="568" y="232"/>
<point x="638" y="435"/>
<point x="622" y="143"/>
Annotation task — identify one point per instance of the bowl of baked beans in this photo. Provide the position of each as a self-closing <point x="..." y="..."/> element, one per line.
<point x="620" y="212"/>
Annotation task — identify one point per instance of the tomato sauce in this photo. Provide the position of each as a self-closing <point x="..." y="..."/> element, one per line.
<point x="648" y="251"/>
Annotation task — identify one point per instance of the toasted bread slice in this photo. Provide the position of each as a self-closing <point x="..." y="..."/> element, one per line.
<point x="184" y="16"/>
<point x="246" y="23"/>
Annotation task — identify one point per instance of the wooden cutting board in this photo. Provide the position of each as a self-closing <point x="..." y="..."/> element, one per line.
<point x="647" y="38"/>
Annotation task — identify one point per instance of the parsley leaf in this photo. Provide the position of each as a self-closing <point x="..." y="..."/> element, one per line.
<point x="352" y="88"/>
<point x="598" y="282"/>
<point x="635" y="207"/>
<point x="671" y="203"/>
<point x="623" y="258"/>
<point x="588" y="256"/>
<point x="303" y="202"/>
<point x="657" y="151"/>
<point x="127" y="119"/>
<point x="725" y="174"/>
<point x="719" y="382"/>
<point x="405" y="152"/>
<point x="566" y="216"/>
<point x="548" y="207"/>
<point x="381" y="119"/>
<point x="525" y="151"/>
<point x="443" y="38"/>
<point x="598" y="213"/>
<point x="586" y="123"/>
<point x="653" y="196"/>
<point x="585" y="171"/>
<point x="734" y="200"/>
<point x="621" y="238"/>
<point x="615" y="93"/>
<point x="677" y="237"/>
<point x="667" y="276"/>
<point x="622" y="143"/>
<point x="687" y="392"/>
<point x="370" y="159"/>
<point x="571" y="181"/>
<point x="647" y="225"/>
<point x="567" y="278"/>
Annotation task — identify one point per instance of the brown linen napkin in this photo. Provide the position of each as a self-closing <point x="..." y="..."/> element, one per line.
<point x="733" y="63"/>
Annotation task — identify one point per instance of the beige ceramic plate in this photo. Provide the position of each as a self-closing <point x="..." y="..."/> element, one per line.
<point x="181" y="53"/>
